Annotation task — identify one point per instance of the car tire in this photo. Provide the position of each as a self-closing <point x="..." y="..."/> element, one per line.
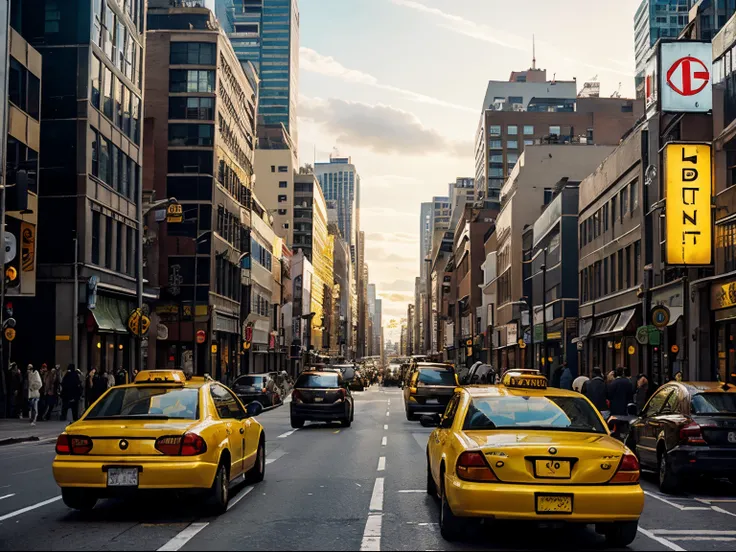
<point x="668" y="481"/>
<point x="411" y="417"/>
<point x="79" y="499"/>
<point x="347" y="421"/>
<point x="258" y="471"/>
<point x="352" y="413"/>
<point x="431" y="485"/>
<point x="621" y="534"/>
<point x="219" y="494"/>
<point x="451" y="526"/>
<point x="297" y="423"/>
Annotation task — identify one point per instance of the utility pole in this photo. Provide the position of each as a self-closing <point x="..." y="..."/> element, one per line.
<point x="3" y="172"/>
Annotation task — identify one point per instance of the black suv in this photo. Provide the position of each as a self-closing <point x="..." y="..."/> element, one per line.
<point x="429" y="388"/>
<point x="321" y="396"/>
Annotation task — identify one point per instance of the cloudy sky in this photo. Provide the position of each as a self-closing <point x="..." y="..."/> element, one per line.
<point x="398" y="85"/>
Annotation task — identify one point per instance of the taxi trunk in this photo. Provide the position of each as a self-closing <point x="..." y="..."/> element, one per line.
<point x="548" y="457"/>
<point x="129" y="438"/>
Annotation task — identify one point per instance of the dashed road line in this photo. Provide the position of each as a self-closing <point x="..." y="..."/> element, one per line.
<point x="241" y="496"/>
<point x="692" y="532"/>
<point x="384" y="441"/>
<point x="6" y="496"/>
<point x="385" y="427"/>
<point x="382" y="463"/>
<point x="387" y="413"/>
<point x="377" y="496"/>
<point x="675" y="505"/>
<point x="285" y="435"/>
<point x="275" y="455"/>
<point x="372" y="533"/>
<point x="412" y="491"/>
<point x="184" y="537"/>
<point x="661" y="540"/>
<point x="29" y="508"/>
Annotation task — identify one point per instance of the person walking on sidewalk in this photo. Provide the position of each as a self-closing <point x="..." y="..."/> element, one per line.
<point x="89" y="387"/>
<point x="51" y="385"/>
<point x="620" y="393"/>
<point x="71" y="392"/>
<point x="16" y="388"/>
<point x="34" y="392"/>
<point x="596" y="391"/>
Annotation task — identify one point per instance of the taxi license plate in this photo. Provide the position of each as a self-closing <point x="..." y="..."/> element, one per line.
<point x="122" y="477"/>
<point x="554" y="504"/>
<point x="732" y="437"/>
<point x="552" y="469"/>
<point x="319" y="399"/>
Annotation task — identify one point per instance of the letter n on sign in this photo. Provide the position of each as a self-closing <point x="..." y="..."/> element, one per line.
<point x="688" y="214"/>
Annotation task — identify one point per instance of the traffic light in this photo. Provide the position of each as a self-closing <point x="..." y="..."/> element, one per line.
<point x="16" y="194"/>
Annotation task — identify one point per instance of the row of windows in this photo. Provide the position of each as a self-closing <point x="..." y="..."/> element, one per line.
<point x="195" y="108"/>
<point x="113" y="167"/>
<point x="513" y="130"/>
<point x="260" y="254"/>
<point x="229" y="227"/>
<point x="597" y="224"/>
<point x="620" y="271"/>
<point x="112" y="35"/>
<point x="230" y="180"/>
<point x="183" y="80"/>
<point x="227" y="279"/>
<point x="260" y="303"/>
<point x="115" y="100"/>
<point x="103" y="253"/>
<point x="192" y="53"/>
<point x="183" y="134"/>
<point x="24" y="89"/>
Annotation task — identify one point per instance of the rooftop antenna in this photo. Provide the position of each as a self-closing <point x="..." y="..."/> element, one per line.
<point x="534" y="53"/>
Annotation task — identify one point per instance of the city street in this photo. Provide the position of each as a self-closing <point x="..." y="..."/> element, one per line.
<point x="326" y="488"/>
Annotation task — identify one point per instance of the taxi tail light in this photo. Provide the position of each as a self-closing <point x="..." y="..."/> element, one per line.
<point x="628" y="471"/>
<point x="692" y="434"/>
<point x="472" y="466"/>
<point x="73" y="444"/>
<point x="189" y="444"/>
<point x="296" y="396"/>
<point x="413" y="390"/>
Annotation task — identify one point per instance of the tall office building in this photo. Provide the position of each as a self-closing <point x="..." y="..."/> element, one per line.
<point x="340" y="183"/>
<point x="266" y="33"/>
<point x="434" y="216"/>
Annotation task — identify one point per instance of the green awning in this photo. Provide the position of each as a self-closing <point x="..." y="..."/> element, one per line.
<point x="108" y="315"/>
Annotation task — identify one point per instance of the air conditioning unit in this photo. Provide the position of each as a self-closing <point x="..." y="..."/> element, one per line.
<point x="517" y="107"/>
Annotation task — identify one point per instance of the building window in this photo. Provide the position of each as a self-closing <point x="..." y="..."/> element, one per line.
<point x="613" y="273"/>
<point x="95" y="243"/>
<point x="512" y="144"/>
<point x="52" y="17"/>
<point x="528" y="130"/>
<point x="627" y="267"/>
<point x="283" y="169"/>
<point x="624" y="201"/>
<point x="605" y="217"/>
<point x="528" y="142"/>
<point x="108" y="242"/>
<point x="273" y="168"/>
<point x="613" y="211"/>
<point x="282" y="199"/>
<point x="202" y="109"/>
<point x="95" y="169"/>
<point x="554" y="129"/>
<point x="131" y="246"/>
<point x="511" y="159"/>
<point x="726" y="242"/>
<point x="494" y="130"/>
<point x="495" y="172"/>
<point x="95" y="80"/>
<point x="283" y="184"/>
<point x="634" y="188"/>
<point x="496" y="158"/>
<point x="605" y="276"/>
<point x="620" y="267"/>
<point x="105" y="164"/>
<point x="190" y="135"/>
<point x="282" y="212"/>
<point x="191" y="81"/>
<point x="512" y="130"/>
<point x="107" y="87"/>
<point x="192" y="53"/>
<point x="495" y="144"/>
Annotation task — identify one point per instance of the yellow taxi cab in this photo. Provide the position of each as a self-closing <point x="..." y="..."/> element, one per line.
<point x="163" y="431"/>
<point x="523" y="451"/>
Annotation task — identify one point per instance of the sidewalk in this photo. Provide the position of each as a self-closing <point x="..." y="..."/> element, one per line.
<point x="14" y="430"/>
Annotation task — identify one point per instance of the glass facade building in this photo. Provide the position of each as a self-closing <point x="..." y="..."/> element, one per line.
<point x="340" y="184"/>
<point x="266" y="33"/>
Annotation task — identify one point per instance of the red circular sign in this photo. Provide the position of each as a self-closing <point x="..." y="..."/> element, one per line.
<point x="201" y="336"/>
<point x="688" y="76"/>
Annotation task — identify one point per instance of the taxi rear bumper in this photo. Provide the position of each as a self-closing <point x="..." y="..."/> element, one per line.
<point x="590" y="503"/>
<point x="91" y="473"/>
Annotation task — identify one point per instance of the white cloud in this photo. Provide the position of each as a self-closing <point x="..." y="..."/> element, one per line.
<point x="379" y="128"/>
<point x="314" y="62"/>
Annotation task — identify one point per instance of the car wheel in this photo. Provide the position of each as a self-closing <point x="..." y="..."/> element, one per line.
<point x="258" y="408"/>
<point x="297" y="423"/>
<point x="451" y="526"/>
<point x="347" y="421"/>
<point x="622" y="533"/>
<point x="258" y="471"/>
<point x="668" y="482"/>
<point x="411" y="417"/>
<point x="431" y="485"/>
<point x="219" y="494"/>
<point x="78" y="499"/>
<point x="352" y="413"/>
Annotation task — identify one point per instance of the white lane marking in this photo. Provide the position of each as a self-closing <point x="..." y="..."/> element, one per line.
<point x="719" y="539"/>
<point x="372" y="533"/>
<point x="686" y="532"/>
<point x="240" y="497"/>
<point x="184" y="537"/>
<point x="384" y="441"/>
<point x="678" y="506"/>
<point x="377" y="497"/>
<point x="285" y="435"/>
<point x="388" y="413"/>
<point x="275" y="455"/>
<point x="29" y="508"/>
<point x="385" y="427"/>
<point x="7" y="496"/>
<point x="660" y="540"/>
<point x="28" y="471"/>
<point x="412" y="491"/>
<point x="388" y="401"/>
<point x="722" y="511"/>
<point x="382" y="463"/>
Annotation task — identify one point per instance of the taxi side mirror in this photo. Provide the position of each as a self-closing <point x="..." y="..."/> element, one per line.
<point x="253" y="409"/>
<point x="430" y="420"/>
<point x="632" y="409"/>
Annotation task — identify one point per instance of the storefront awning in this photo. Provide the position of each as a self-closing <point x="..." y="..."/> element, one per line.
<point x="108" y="316"/>
<point x="623" y="321"/>
<point x="604" y="326"/>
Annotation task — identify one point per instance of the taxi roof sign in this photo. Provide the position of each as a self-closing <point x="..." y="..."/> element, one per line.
<point x="161" y="376"/>
<point x="524" y="379"/>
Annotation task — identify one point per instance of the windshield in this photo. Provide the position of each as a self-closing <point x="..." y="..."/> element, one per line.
<point x="558" y="413"/>
<point x="147" y="402"/>
<point x="714" y="403"/>
<point x="307" y="381"/>
<point x="436" y="376"/>
<point x="250" y="381"/>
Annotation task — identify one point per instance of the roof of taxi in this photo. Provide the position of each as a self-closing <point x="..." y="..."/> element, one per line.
<point x="190" y="382"/>
<point x="502" y="390"/>
<point x="708" y="386"/>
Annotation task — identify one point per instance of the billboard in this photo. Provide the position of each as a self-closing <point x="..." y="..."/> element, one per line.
<point x="688" y="214"/>
<point x="685" y="77"/>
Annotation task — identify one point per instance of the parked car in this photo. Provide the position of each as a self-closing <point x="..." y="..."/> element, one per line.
<point x="321" y="396"/>
<point x="258" y="387"/>
<point x="687" y="429"/>
<point x="429" y="389"/>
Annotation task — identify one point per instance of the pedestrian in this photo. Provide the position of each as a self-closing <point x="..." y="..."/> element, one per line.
<point x="100" y="385"/>
<point x="42" y="399"/>
<point x="610" y="376"/>
<point x="620" y="393"/>
<point x="566" y="377"/>
<point x="89" y="387"/>
<point x="35" y="383"/>
<point x="51" y="388"/>
<point x="641" y="395"/>
<point x="110" y="379"/>
<point x="71" y="392"/>
<point x="16" y="389"/>
<point x="556" y="376"/>
<point x="596" y="392"/>
<point x="577" y="384"/>
<point x="678" y="376"/>
<point x="121" y="376"/>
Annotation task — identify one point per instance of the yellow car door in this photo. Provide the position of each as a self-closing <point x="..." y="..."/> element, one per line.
<point x="232" y="415"/>
<point x="439" y="437"/>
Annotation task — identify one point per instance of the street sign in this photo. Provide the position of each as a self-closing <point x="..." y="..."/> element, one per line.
<point x="660" y="317"/>
<point x="214" y="348"/>
<point x="11" y="247"/>
<point x="522" y="344"/>
<point x="174" y="214"/>
<point x="246" y="345"/>
<point x="200" y="336"/>
<point x="685" y="79"/>
<point x="642" y="335"/>
<point x="9" y="334"/>
<point x="675" y="349"/>
<point x="138" y="323"/>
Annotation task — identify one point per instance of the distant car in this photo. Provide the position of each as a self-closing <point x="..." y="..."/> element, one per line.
<point x="321" y="396"/>
<point x="392" y="375"/>
<point x="258" y="387"/>
<point x="687" y="429"/>
<point x="429" y="389"/>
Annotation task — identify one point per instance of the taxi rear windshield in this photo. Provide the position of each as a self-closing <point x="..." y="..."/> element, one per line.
<point x="157" y="403"/>
<point x="436" y="376"/>
<point x="714" y="403"/>
<point x="316" y="381"/>
<point x="250" y="381"/>
<point x="533" y="413"/>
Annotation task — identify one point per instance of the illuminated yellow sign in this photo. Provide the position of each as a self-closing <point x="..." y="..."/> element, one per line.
<point x="525" y="381"/>
<point x="688" y="182"/>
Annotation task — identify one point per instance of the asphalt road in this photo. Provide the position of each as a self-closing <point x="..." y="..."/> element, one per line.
<point x="326" y="488"/>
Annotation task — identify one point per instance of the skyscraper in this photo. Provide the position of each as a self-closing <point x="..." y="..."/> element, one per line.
<point x="340" y="183"/>
<point x="266" y="33"/>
